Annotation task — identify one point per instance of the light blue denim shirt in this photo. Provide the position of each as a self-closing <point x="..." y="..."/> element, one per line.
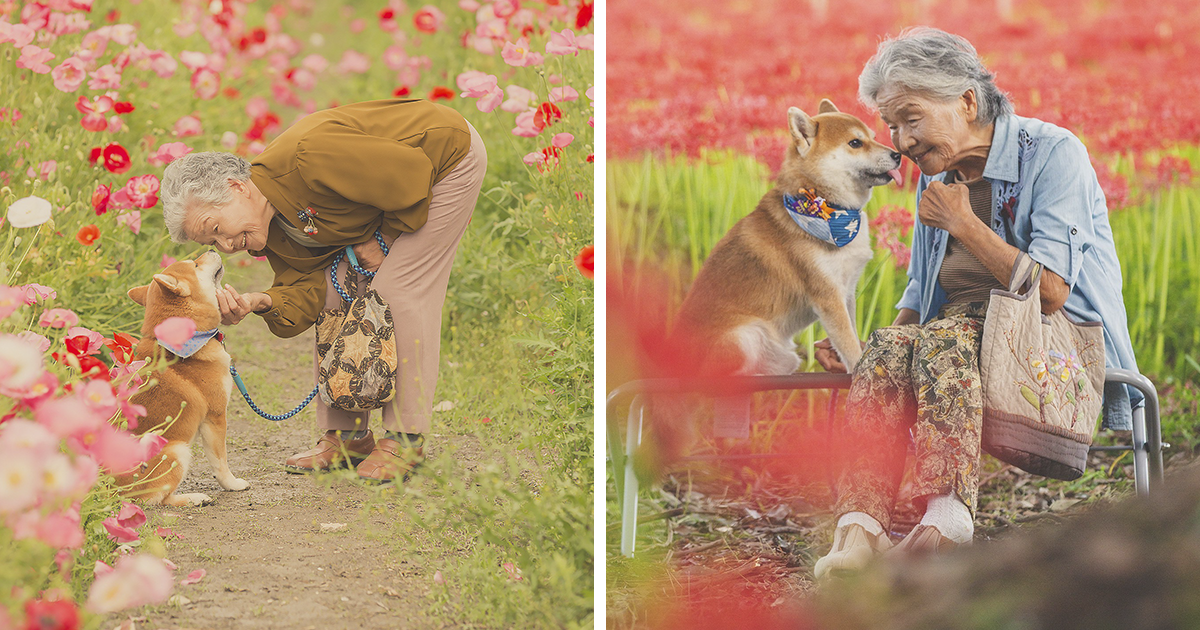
<point x="1046" y="201"/>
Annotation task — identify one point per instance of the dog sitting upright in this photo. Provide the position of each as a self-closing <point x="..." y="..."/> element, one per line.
<point x="200" y="378"/>
<point x="795" y="259"/>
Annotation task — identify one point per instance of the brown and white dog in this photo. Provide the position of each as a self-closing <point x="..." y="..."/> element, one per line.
<point x="769" y="278"/>
<point x="193" y="391"/>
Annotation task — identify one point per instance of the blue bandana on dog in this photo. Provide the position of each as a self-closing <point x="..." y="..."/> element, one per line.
<point x="823" y="220"/>
<point x="193" y="345"/>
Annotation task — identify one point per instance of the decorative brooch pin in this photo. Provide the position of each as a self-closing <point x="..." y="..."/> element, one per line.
<point x="307" y="215"/>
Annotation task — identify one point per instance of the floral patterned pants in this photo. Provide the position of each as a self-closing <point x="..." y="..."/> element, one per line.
<point x="915" y="384"/>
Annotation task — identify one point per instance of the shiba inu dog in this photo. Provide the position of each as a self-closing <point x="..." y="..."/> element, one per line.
<point x="193" y="391"/>
<point x="795" y="259"/>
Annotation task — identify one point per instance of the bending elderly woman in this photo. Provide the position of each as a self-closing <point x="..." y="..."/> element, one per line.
<point x="992" y="185"/>
<point x="409" y="169"/>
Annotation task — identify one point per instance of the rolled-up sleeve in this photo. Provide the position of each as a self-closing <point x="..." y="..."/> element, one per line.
<point x="296" y="298"/>
<point x="337" y="159"/>
<point x="1061" y="210"/>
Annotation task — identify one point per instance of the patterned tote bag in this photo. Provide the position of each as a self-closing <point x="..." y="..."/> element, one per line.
<point x="357" y="349"/>
<point x="1043" y="380"/>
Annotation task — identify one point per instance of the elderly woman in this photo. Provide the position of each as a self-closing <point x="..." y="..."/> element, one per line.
<point x="408" y="171"/>
<point x="992" y="185"/>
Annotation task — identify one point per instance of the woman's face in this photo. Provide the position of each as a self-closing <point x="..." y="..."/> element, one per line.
<point x="237" y="226"/>
<point x="932" y="133"/>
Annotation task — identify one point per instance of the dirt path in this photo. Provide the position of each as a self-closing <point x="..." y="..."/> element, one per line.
<point x="292" y="551"/>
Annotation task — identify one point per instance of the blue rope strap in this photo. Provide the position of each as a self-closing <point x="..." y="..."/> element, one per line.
<point x="349" y="251"/>
<point x="237" y="380"/>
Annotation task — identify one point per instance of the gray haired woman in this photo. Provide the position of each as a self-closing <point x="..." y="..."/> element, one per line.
<point x="396" y="180"/>
<point x="992" y="184"/>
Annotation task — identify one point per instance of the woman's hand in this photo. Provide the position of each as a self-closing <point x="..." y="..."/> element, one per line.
<point x="828" y="357"/>
<point x="236" y="306"/>
<point x="946" y="207"/>
<point x="370" y="256"/>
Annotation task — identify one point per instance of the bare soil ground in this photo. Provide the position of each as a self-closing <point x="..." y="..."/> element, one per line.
<point x="292" y="551"/>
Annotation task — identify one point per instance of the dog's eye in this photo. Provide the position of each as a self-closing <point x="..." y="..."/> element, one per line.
<point x="856" y="144"/>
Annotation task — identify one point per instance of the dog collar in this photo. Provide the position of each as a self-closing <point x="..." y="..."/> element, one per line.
<point x="193" y="345"/>
<point x="823" y="220"/>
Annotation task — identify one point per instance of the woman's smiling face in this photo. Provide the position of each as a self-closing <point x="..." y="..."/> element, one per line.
<point x="237" y="226"/>
<point x="932" y="133"/>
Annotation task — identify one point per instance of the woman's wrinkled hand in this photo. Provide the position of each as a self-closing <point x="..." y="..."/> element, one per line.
<point x="947" y="207"/>
<point x="236" y="306"/>
<point x="828" y="357"/>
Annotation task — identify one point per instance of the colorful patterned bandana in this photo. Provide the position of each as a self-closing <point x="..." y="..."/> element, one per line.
<point x="193" y="345"/>
<point x="823" y="220"/>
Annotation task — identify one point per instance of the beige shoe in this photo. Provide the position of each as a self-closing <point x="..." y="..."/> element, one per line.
<point x="853" y="548"/>
<point x="925" y="539"/>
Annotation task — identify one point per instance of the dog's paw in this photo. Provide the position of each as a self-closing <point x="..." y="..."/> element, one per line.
<point x="237" y="485"/>
<point x="195" y="499"/>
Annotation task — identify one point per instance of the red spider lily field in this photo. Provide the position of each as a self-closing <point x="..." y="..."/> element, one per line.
<point x="96" y="98"/>
<point x="696" y="119"/>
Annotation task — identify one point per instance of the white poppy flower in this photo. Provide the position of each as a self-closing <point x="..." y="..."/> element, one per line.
<point x="28" y="212"/>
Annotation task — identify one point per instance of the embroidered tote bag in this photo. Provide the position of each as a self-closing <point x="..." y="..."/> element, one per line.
<point x="357" y="348"/>
<point x="1043" y="380"/>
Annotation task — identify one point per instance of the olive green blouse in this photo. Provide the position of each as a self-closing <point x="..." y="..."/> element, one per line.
<point x="356" y="168"/>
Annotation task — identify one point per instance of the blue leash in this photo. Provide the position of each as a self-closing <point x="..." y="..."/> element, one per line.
<point x="237" y="378"/>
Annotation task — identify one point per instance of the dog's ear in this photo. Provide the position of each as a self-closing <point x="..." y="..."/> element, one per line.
<point x="172" y="284"/>
<point x="826" y="107"/>
<point x="138" y="294"/>
<point x="803" y="128"/>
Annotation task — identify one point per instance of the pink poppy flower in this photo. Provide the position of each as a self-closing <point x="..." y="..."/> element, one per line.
<point x="395" y="57"/>
<point x="428" y="19"/>
<point x="136" y="580"/>
<point x="34" y="394"/>
<point x="205" y="83"/>
<point x="131" y="220"/>
<point x="257" y="107"/>
<point x="490" y="101"/>
<point x="188" y="126"/>
<point x="519" y="99"/>
<point x="67" y="416"/>
<point x="151" y="444"/>
<point x="58" y="318"/>
<point x="562" y="140"/>
<point x="505" y="8"/>
<point x="586" y="42"/>
<point x="114" y="449"/>
<point x="42" y="342"/>
<point x="95" y="339"/>
<point x="354" y="62"/>
<point x="123" y="34"/>
<point x="162" y="64"/>
<point x="563" y="94"/>
<point x="11" y="298"/>
<point x="193" y="60"/>
<point x="229" y="139"/>
<point x="131" y="515"/>
<point x="20" y="363"/>
<point x="20" y="481"/>
<point x="118" y="532"/>
<point x="303" y="79"/>
<point x="24" y="435"/>
<point x="526" y="128"/>
<point x="475" y="83"/>
<point x="143" y="190"/>
<point x="19" y="35"/>
<point x="166" y="261"/>
<point x="35" y="293"/>
<point x="168" y="153"/>
<point x="175" y="331"/>
<point x="101" y="568"/>
<point x="105" y="77"/>
<point x="115" y="124"/>
<point x="69" y="74"/>
<point x="98" y="395"/>
<point x="357" y="25"/>
<point x="317" y="64"/>
<point x="534" y="158"/>
<point x="491" y="29"/>
<point x="61" y="529"/>
<point x="518" y="54"/>
<point x="93" y="46"/>
<point x="468" y="5"/>
<point x="562" y="43"/>
<point x="35" y="58"/>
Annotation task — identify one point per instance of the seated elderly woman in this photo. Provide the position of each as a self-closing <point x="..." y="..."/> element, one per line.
<point x="992" y="184"/>
<point x="408" y="171"/>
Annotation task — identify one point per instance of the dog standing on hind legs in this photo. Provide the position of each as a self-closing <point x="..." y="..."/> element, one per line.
<point x="795" y="259"/>
<point x="194" y="390"/>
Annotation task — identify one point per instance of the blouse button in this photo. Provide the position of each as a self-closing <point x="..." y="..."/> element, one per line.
<point x="1074" y="231"/>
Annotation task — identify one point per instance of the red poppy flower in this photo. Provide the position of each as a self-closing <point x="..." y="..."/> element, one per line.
<point x="231" y="92"/>
<point x="56" y="615"/>
<point x="88" y="234"/>
<point x="100" y="198"/>
<point x="112" y="16"/>
<point x="123" y="107"/>
<point x="585" y="262"/>
<point x="441" y="92"/>
<point x="94" y="156"/>
<point x="547" y="114"/>
<point x="258" y="35"/>
<point x="121" y="346"/>
<point x="116" y="158"/>
<point x="401" y="91"/>
<point x="584" y="16"/>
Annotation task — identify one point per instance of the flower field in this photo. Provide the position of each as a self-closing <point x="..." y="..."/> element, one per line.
<point x="97" y="97"/>
<point x="697" y="127"/>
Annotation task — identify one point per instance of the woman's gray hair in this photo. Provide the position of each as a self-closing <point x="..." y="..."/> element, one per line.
<point x="198" y="179"/>
<point x="937" y="64"/>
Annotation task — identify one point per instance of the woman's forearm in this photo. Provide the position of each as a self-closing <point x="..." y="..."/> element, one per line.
<point x="999" y="257"/>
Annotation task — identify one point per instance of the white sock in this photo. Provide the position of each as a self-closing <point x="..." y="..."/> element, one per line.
<point x="866" y="521"/>
<point x="951" y="517"/>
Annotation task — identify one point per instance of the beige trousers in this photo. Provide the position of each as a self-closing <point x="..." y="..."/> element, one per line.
<point x="413" y="280"/>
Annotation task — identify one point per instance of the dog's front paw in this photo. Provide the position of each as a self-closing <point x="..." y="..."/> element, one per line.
<point x="195" y="499"/>
<point x="237" y="485"/>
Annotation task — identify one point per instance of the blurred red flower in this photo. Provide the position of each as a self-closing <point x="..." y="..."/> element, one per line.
<point x="547" y="114"/>
<point x="584" y="16"/>
<point x="88" y="234"/>
<point x="441" y="92"/>
<point x="56" y="615"/>
<point x="585" y="262"/>
<point x="123" y="107"/>
<point x="401" y="91"/>
<point x="428" y="19"/>
<point x="100" y="199"/>
<point x="116" y="158"/>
